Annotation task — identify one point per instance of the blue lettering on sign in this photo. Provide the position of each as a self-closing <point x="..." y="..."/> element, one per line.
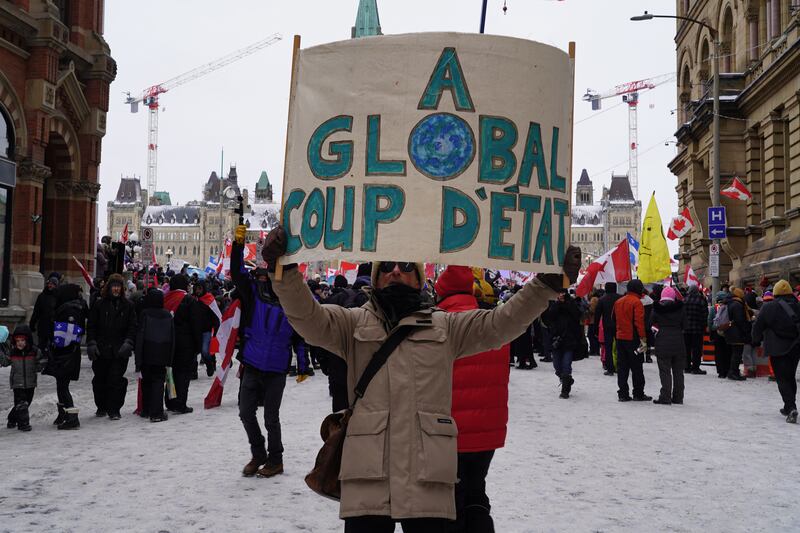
<point x="716" y="215"/>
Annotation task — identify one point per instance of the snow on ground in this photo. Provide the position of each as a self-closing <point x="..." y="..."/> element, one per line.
<point x="724" y="461"/>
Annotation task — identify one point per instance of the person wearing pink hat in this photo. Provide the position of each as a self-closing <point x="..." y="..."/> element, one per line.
<point x="670" y="321"/>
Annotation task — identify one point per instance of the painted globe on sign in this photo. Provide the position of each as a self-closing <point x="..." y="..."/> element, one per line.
<point x="441" y="146"/>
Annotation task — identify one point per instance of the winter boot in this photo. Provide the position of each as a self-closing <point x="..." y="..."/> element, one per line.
<point x="71" y="419"/>
<point x="270" y="469"/>
<point x="61" y="415"/>
<point x="23" y="417"/>
<point x="12" y="417"/>
<point x="251" y="468"/>
<point x="792" y="417"/>
<point x="566" y="385"/>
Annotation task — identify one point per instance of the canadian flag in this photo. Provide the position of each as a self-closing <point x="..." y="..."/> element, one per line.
<point x="689" y="278"/>
<point x="680" y="225"/>
<point x="223" y="342"/>
<point x="613" y="266"/>
<point x="737" y="191"/>
<point x="124" y="238"/>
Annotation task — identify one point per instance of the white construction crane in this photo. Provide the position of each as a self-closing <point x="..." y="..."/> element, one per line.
<point x="630" y="95"/>
<point x="150" y="98"/>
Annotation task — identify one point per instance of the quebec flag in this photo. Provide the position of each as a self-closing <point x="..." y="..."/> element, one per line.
<point x="211" y="267"/>
<point x="633" y="248"/>
<point x="66" y="333"/>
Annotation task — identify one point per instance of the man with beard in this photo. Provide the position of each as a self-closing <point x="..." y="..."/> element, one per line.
<point x="267" y="342"/>
<point x="399" y="460"/>
<point x="111" y="335"/>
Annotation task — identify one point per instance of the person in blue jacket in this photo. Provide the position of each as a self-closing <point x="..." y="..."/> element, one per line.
<point x="266" y="345"/>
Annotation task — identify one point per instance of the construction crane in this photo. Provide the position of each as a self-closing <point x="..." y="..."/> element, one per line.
<point x="630" y="95"/>
<point x="150" y="98"/>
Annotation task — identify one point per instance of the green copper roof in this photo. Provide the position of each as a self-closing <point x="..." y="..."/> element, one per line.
<point x="162" y="197"/>
<point x="263" y="181"/>
<point x="367" y="20"/>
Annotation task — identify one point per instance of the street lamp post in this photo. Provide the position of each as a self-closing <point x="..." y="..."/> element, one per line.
<point x="715" y="183"/>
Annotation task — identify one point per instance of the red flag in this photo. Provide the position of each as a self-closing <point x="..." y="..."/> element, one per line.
<point x="223" y="342"/>
<point x="124" y="238"/>
<point x="84" y="273"/>
<point x="211" y="302"/>
<point x="614" y="265"/>
<point x="430" y="270"/>
<point x="173" y="299"/>
<point x="680" y="225"/>
<point x="689" y="277"/>
<point x="737" y="191"/>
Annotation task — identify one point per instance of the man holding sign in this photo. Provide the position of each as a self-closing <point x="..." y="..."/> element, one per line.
<point x="442" y="148"/>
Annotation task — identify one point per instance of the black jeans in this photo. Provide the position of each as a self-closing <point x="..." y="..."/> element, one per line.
<point x="181" y="378"/>
<point x="385" y="524"/>
<point x="337" y="382"/>
<point x="736" y="358"/>
<point x="785" y="368"/>
<point x="472" y="503"/>
<point x="153" y="377"/>
<point x="594" y="344"/>
<point x="722" y="354"/>
<point x="629" y="361"/>
<point x="694" y="350"/>
<point x="670" y="371"/>
<point x="62" y="392"/>
<point x="609" y="346"/>
<point x="109" y="383"/>
<point x="257" y="386"/>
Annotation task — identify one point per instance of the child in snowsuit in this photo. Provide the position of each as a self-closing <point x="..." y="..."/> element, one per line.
<point x="25" y="360"/>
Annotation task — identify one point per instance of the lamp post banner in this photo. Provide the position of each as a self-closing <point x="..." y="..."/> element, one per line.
<point x="435" y="147"/>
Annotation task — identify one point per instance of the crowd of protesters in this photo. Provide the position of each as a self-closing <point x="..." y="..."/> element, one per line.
<point x="164" y="320"/>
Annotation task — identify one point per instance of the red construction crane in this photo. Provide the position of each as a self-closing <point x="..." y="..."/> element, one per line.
<point x="150" y="98"/>
<point x="630" y="95"/>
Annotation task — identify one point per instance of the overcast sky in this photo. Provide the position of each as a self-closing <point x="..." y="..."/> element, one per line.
<point x="243" y="106"/>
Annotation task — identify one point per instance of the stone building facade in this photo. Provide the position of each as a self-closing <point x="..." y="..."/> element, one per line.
<point x="597" y="227"/>
<point x="55" y="72"/>
<point x="197" y="230"/>
<point x="759" y="133"/>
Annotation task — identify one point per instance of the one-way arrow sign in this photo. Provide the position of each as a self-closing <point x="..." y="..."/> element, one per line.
<point x="717" y="232"/>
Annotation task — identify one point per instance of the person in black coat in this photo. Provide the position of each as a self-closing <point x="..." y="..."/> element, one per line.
<point x="604" y="312"/>
<point x="64" y="359"/>
<point x="739" y="333"/>
<point x="696" y="311"/>
<point x="189" y="317"/>
<point x="41" y="321"/>
<point x="111" y="334"/>
<point x="155" y="346"/>
<point x="208" y="324"/>
<point x="780" y="333"/>
<point x="669" y="319"/>
<point x="563" y="319"/>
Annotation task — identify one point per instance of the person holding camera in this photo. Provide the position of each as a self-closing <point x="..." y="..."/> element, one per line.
<point x="631" y="343"/>
<point x="563" y="318"/>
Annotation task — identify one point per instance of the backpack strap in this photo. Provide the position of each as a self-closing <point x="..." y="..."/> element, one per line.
<point x="378" y="360"/>
<point x="792" y="315"/>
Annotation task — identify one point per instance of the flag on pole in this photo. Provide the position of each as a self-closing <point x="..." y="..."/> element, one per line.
<point x="689" y="277"/>
<point x="680" y="225"/>
<point x="223" y="342"/>
<point x="612" y="266"/>
<point x="633" y="248"/>
<point x="209" y="300"/>
<point x="84" y="273"/>
<point x="737" y="191"/>
<point x="212" y="266"/>
<point x="654" y="258"/>
<point x="65" y="334"/>
<point x="124" y="238"/>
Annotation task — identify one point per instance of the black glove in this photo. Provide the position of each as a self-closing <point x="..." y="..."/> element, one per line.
<point x="275" y="247"/>
<point x="572" y="266"/>
<point x="92" y="351"/>
<point x="126" y="350"/>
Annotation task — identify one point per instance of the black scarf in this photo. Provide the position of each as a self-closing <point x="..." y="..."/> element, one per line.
<point x="397" y="301"/>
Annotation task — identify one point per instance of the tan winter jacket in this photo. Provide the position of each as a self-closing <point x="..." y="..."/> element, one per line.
<point x="400" y="455"/>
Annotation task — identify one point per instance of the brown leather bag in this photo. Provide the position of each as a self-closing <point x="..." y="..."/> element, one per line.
<point x="324" y="478"/>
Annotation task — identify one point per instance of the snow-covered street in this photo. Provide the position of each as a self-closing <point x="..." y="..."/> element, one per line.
<point x="724" y="461"/>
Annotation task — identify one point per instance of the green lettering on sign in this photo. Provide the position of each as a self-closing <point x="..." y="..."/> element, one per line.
<point x="293" y="201"/>
<point x="375" y="214"/>
<point x="342" y="151"/>
<point x="454" y="235"/>
<point x="447" y="76"/>
<point x="498" y="136"/>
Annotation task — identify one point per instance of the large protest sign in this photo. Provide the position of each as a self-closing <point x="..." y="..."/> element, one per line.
<point x="439" y="147"/>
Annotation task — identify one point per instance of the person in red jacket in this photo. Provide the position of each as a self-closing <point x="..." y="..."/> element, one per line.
<point x="480" y="408"/>
<point x="629" y="317"/>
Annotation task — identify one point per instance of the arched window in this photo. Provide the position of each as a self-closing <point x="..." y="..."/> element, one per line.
<point x="8" y="178"/>
<point x="727" y="50"/>
<point x="705" y="64"/>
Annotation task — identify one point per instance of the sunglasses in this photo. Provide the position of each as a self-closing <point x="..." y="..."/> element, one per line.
<point x="388" y="266"/>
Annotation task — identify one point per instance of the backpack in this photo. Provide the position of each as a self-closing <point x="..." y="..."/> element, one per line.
<point x="722" y="321"/>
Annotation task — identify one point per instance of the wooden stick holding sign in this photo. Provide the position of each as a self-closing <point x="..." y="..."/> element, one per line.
<point x="295" y="50"/>
<point x="571" y="49"/>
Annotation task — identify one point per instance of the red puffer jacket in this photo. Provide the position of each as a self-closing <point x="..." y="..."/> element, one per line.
<point x="480" y="382"/>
